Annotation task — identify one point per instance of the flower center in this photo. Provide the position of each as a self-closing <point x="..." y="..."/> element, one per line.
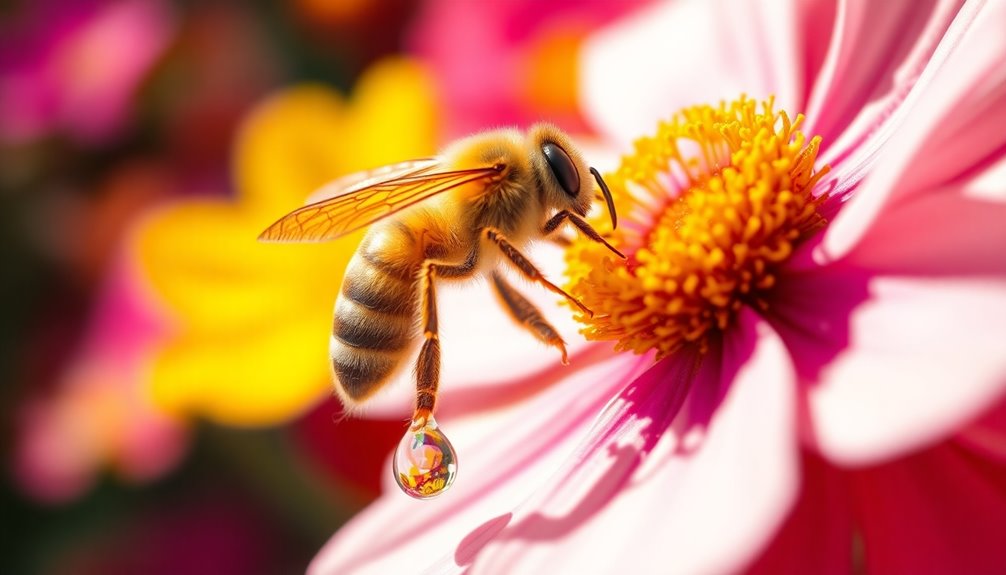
<point x="709" y="208"/>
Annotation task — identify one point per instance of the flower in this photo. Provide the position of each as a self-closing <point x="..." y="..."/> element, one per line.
<point x="518" y="64"/>
<point x="100" y="413"/>
<point x="251" y="319"/>
<point x="76" y="68"/>
<point x="865" y="345"/>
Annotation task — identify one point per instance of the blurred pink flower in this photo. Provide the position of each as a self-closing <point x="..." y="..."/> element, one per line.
<point x="99" y="414"/>
<point x="508" y="63"/>
<point x="871" y="359"/>
<point x="76" y="67"/>
<point x="213" y="529"/>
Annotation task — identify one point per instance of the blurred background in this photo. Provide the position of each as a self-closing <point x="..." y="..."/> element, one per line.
<point x="165" y="403"/>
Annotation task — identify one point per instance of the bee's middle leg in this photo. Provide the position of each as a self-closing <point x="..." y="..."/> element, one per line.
<point x="527" y="315"/>
<point x="526" y="268"/>
<point x="428" y="363"/>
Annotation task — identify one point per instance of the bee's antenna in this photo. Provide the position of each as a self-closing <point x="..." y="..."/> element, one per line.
<point x="607" y="197"/>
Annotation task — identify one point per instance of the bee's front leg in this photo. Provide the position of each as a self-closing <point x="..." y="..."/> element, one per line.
<point x="555" y="221"/>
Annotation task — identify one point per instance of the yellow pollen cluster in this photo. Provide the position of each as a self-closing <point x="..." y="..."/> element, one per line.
<point x="709" y="208"/>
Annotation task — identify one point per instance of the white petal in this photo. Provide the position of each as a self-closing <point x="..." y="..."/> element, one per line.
<point x="677" y="54"/>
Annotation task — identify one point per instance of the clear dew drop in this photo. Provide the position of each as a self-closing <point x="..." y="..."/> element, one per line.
<point x="425" y="462"/>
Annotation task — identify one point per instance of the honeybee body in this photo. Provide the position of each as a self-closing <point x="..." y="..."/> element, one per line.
<point x="377" y="313"/>
<point x="450" y="218"/>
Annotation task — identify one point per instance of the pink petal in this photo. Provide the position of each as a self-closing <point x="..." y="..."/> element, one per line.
<point x="56" y="458"/>
<point x="941" y="511"/>
<point x="897" y="337"/>
<point x="959" y="230"/>
<point x="817" y="535"/>
<point x="987" y="435"/>
<point x="900" y="341"/>
<point x="78" y="66"/>
<point x="891" y="364"/>
<point x="97" y="76"/>
<point x="100" y="414"/>
<point x="952" y="107"/>
<point x="686" y="53"/>
<point x="706" y="482"/>
<point x="876" y="53"/>
<point x="503" y="455"/>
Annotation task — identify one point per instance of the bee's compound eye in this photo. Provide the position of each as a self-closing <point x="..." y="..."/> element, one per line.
<point x="563" y="168"/>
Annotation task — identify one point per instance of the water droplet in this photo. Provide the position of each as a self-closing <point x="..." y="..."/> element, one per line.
<point x="425" y="462"/>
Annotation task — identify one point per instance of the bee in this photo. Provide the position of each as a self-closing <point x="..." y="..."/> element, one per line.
<point x="451" y="218"/>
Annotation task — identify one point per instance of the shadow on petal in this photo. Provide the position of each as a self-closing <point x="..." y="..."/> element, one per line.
<point x="504" y="456"/>
<point x="686" y="443"/>
<point x="812" y="306"/>
<point x="479" y="537"/>
<point x="664" y="398"/>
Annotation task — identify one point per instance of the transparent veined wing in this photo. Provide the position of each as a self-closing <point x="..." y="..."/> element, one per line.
<point x="351" y="182"/>
<point x="340" y="208"/>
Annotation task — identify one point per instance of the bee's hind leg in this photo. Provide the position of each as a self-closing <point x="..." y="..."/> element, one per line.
<point x="428" y="364"/>
<point x="527" y="315"/>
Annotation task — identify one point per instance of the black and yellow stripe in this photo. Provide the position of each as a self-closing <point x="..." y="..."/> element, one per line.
<point x="375" y="317"/>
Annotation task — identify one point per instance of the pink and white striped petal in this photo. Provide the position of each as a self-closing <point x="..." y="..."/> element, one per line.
<point x="701" y="464"/>
<point x="950" y="111"/>
<point x="893" y="364"/>
<point x="876" y="54"/>
<point x="504" y="454"/>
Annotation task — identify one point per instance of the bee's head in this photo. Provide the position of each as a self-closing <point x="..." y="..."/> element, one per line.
<point x="565" y="178"/>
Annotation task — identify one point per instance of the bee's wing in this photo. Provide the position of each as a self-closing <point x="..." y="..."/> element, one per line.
<point x="338" y="209"/>
<point x="352" y="182"/>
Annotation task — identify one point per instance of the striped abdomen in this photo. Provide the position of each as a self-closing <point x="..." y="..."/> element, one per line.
<point x="375" y="313"/>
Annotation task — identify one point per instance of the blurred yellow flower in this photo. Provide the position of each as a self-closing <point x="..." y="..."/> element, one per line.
<point x="252" y="320"/>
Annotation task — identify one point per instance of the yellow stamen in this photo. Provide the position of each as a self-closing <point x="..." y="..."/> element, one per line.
<point x="712" y="205"/>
